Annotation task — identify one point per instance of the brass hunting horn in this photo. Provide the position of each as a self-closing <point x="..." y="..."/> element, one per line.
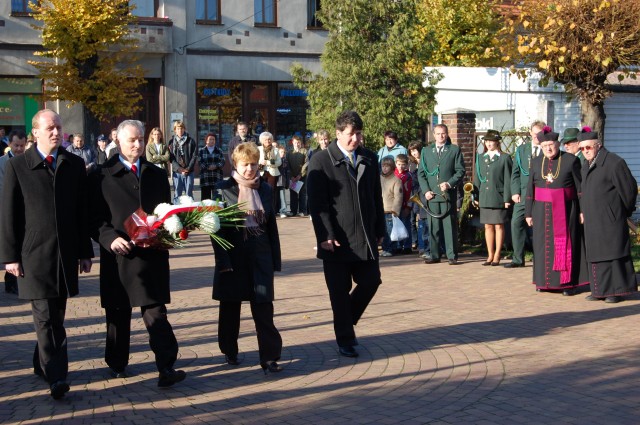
<point x="468" y="188"/>
<point x="416" y="198"/>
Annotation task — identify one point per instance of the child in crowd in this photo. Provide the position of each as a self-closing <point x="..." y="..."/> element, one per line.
<point x="419" y="223"/>
<point x="391" y="200"/>
<point x="402" y="172"/>
<point x="282" y="183"/>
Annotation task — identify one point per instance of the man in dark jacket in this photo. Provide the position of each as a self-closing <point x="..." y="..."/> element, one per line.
<point x="345" y="200"/>
<point x="44" y="237"/>
<point x="132" y="276"/>
<point x="184" y="153"/>
<point x="608" y="198"/>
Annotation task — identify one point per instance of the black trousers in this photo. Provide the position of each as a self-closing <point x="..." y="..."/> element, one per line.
<point x="10" y="282"/>
<point x="349" y="305"/>
<point x="269" y="339"/>
<point x="50" y="355"/>
<point x="206" y="192"/>
<point x="162" y="341"/>
<point x="298" y="200"/>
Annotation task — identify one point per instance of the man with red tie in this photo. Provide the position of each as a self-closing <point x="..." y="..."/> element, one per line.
<point x="44" y="239"/>
<point x="132" y="276"/>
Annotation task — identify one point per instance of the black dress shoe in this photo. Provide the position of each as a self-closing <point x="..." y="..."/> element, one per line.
<point x="271" y="366"/>
<point x="432" y="261"/>
<point x="613" y="300"/>
<point x="592" y="298"/>
<point x="232" y="360"/>
<point x="348" y="351"/>
<point x="168" y="377"/>
<point x="59" y="389"/>
<point x="453" y="262"/>
<point x="513" y="265"/>
<point x="118" y="373"/>
<point x="569" y="292"/>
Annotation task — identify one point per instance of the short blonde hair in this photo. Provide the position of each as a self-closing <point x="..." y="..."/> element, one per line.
<point x="178" y="123"/>
<point x="247" y="152"/>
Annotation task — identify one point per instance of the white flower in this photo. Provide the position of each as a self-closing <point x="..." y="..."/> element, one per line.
<point x="173" y="224"/>
<point x="185" y="200"/>
<point x="151" y="219"/>
<point x="162" y="209"/>
<point x="208" y="203"/>
<point x="210" y="223"/>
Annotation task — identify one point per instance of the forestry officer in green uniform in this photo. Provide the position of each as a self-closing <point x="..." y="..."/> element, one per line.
<point x="571" y="144"/>
<point x="441" y="169"/>
<point x="519" y="181"/>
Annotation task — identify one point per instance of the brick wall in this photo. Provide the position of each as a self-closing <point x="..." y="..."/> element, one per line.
<point x="462" y="128"/>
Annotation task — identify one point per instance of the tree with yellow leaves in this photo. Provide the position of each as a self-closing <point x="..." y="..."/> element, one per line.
<point x="578" y="43"/>
<point x="462" y="32"/>
<point x="86" y="56"/>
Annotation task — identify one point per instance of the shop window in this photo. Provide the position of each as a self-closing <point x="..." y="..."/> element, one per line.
<point x="264" y="12"/>
<point x="208" y="12"/>
<point x="313" y="6"/>
<point x="144" y="8"/>
<point x="20" y="7"/>
<point x="291" y="113"/>
<point x="219" y="108"/>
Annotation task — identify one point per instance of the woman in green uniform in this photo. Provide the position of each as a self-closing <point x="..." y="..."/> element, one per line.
<point x="491" y="180"/>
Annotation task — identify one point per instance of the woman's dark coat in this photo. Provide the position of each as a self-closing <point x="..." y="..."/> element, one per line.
<point x="142" y="277"/>
<point x="254" y="259"/>
<point x="48" y="242"/>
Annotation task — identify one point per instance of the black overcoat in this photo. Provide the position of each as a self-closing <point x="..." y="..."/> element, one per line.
<point x="345" y="206"/>
<point x="142" y="277"/>
<point x="253" y="258"/>
<point x="44" y="222"/>
<point x="607" y="198"/>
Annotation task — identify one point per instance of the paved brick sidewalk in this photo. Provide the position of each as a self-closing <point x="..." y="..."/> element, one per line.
<point x="440" y="344"/>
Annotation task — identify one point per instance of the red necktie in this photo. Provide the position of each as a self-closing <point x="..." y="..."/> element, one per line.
<point x="49" y="160"/>
<point x="134" y="170"/>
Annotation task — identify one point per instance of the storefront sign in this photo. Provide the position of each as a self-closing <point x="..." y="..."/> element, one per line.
<point x="495" y="120"/>
<point x="12" y="110"/>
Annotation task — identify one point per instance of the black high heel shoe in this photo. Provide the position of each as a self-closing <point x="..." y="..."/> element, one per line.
<point x="271" y="366"/>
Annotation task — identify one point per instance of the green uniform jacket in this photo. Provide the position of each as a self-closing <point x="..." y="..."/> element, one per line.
<point x="433" y="170"/>
<point x="520" y="172"/>
<point x="492" y="180"/>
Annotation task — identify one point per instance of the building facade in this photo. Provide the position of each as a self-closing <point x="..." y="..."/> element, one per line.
<point x="209" y="63"/>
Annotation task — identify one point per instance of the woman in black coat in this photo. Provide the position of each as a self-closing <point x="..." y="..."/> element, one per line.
<point x="245" y="271"/>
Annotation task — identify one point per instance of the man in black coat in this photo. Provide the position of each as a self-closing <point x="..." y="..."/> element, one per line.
<point x="44" y="239"/>
<point x="607" y="198"/>
<point x="345" y="200"/>
<point x="242" y="128"/>
<point x="132" y="276"/>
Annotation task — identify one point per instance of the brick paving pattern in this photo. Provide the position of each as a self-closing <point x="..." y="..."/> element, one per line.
<point x="439" y="344"/>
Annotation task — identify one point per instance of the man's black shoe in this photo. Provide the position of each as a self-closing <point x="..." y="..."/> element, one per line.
<point x="432" y="260"/>
<point x="569" y="292"/>
<point x="348" y="351"/>
<point x="117" y="373"/>
<point x="168" y="377"/>
<point x="513" y="265"/>
<point x="58" y="389"/>
<point x="232" y="360"/>
<point x="453" y="262"/>
<point x="613" y="300"/>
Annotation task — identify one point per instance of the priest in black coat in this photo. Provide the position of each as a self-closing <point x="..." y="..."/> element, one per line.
<point x="132" y="276"/>
<point x="551" y="207"/>
<point x="44" y="238"/>
<point x="608" y="198"/>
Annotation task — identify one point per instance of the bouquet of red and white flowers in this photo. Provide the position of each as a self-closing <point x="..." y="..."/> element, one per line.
<point x="169" y="225"/>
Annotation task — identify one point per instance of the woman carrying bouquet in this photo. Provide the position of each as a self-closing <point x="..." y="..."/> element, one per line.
<point x="245" y="271"/>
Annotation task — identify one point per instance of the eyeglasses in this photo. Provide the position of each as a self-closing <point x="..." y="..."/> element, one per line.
<point x="587" y="148"/>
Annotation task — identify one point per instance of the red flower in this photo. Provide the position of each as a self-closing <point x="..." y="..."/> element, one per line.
<point x="184" y="234"/>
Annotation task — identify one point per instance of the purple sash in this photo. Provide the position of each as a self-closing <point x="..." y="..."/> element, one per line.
<point x="561" y="238"/>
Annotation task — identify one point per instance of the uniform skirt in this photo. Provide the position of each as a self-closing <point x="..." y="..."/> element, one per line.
<point x="493" y="215"/>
